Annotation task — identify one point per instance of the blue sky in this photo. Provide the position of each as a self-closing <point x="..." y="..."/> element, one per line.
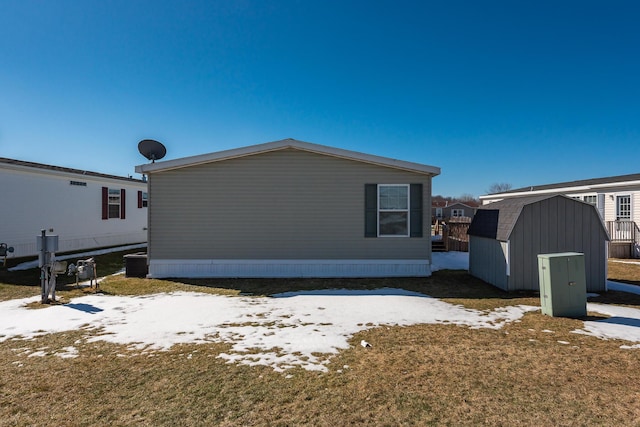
<point x="523" y="92"/>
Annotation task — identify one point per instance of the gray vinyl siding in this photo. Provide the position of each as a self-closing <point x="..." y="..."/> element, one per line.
<point x="286" y="204"/>
<point x="556" y="225"/>
<point x="488" y="262"/>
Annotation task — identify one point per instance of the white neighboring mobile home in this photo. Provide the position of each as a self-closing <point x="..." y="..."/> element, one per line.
<point x="617" y="199"/>
<point x="85" y="209"/>
<point x="289" y="209"/>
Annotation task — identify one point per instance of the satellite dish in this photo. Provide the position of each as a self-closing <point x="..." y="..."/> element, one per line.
<point x="151" y="149"/>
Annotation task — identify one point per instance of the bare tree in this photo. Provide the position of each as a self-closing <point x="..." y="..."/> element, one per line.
<point x="466" y="197"/>
<point x="499" y="187"/>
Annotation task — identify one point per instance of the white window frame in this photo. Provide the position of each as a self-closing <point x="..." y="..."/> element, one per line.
<point x="592" y="199"/>
<point x="439" y="213"/>
<point x="145" y="199"/>
<point x="457" y="213"/>
<point x="407" y="210"/>
<point x="113" y="195"/>
<point x="619" y="197"/>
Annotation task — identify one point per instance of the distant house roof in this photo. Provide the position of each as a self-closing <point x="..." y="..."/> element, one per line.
<point x="41" y="166"/>
<point x="496" y="220"/>
<point x="285" y="144"/>
<point x="446" y="204"/>
<point x="581" y="185"/>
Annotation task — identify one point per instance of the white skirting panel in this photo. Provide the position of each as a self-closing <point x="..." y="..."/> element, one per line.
<point x="288" y="268"/>
<point x="70" y="244"/>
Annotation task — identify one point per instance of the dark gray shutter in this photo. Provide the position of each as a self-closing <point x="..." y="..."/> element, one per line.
<point x="370" y="210"/>
<point x="415" y="210"/>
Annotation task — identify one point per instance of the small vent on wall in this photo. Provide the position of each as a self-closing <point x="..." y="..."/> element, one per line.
<point x="80" y="183"/>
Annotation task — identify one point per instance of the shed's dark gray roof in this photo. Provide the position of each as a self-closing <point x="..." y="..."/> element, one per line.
<point x="580" y="183"/>
<point x="42" y="166"/>
<point x="485" y="223"/>
<point x="496" y="220"/>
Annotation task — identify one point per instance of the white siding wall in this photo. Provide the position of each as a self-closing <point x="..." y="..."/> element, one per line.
<point x="34" y="199"/>
<point x="610" y="202"/>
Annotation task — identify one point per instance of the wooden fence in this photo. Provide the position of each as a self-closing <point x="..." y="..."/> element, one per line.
<point x="455" y="234"/>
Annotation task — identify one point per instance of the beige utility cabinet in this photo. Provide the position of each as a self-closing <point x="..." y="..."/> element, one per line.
<point x="563" y="285"/>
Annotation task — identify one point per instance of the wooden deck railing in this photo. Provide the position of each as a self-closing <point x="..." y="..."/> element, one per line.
<point x="625" y="239"/>
<point x="623" y="231"/>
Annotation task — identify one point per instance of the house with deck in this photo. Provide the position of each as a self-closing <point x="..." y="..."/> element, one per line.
<point x="85" y="209"/>
<point x="289" y="208"/>
<point x="616" y="198"/>
<point x="445" y="210"/>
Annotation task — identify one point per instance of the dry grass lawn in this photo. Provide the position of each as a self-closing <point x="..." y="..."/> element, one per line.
<point x="418" y="375"/>
<point x="624" y="271"/>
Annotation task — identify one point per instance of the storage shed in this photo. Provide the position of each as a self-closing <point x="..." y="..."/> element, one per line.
<point x="506" y="237"/>
<point x="289" y="209"/>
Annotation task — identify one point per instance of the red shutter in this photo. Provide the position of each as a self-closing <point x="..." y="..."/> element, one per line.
<point x="122" y="203"/>
<point x="105" y="203"/>
<point x="139" y="199"/>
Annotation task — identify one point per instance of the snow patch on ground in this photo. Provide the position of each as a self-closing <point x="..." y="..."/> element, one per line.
<point x="293" y="329"/>
<point x="286" y="330"/>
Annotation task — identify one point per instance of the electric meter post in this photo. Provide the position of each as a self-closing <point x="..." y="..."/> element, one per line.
<point x="49" y="267"/>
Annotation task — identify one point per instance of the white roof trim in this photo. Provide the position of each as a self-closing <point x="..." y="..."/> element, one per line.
<point x="284" y="144"/>
<point x="24" y="167"/>
<point x="562" y="190"/>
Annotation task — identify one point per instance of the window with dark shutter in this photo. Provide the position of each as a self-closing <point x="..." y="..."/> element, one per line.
<point x="113" y="203"/>
<point x="143" y="199"/>
<point x="393" y="210"/>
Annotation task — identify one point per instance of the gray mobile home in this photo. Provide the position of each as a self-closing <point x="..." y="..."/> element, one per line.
<point x="506" y="237"/>
<point x="289" y="209"/>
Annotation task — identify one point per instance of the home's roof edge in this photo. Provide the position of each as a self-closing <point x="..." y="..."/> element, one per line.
<point x="27" y="165"/>
<point x="284" y="144"/>
<point x="570" y="186"/>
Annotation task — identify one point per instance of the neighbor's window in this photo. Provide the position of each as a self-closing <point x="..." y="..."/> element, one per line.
<point x="439" y="213"/>
<point x="393" y="210"/>
<point x="114" y="203"/>
<point x="591" y="199"/>
<point x="623" y="207"/>
<point x="457" y="213"/>
<point x="145" y="199"/>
